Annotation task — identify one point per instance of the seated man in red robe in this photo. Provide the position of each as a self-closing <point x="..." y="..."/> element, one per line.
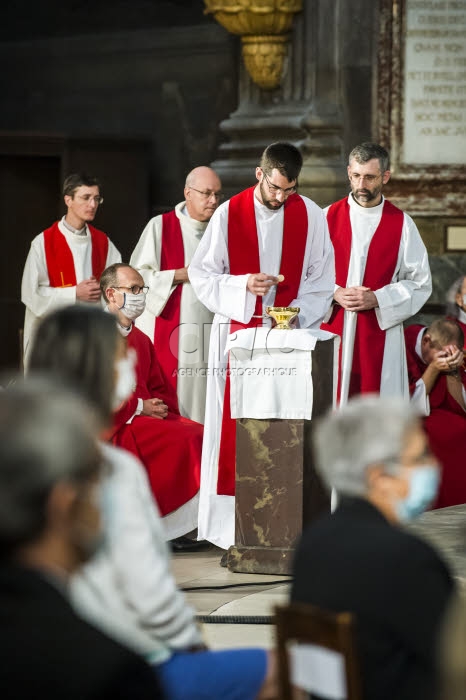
<point x="438" y="388"/>
<point x="148" y="424"/>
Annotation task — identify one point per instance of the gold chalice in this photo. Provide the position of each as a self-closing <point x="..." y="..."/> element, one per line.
<point x="283" y="315"/>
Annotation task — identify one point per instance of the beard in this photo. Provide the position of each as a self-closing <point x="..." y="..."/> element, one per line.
<point x="267" y="201"/>
<point x="364" y="195"/>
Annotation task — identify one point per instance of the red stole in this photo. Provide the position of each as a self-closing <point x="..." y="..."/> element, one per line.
<point x="59" y="258"/>
<point x="243" y="253"/>
<point x="167" y="325"/>
<point x="382" y="256"/>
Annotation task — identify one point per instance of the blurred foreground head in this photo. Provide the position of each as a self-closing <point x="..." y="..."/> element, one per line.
<point x="49" y="468"/>
<point x="79" y="345"/>
<point x="375" y="448"/>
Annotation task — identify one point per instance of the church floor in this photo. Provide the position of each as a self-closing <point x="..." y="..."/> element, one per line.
<point x="202" y="570"/>
<point x="445" y="529"/>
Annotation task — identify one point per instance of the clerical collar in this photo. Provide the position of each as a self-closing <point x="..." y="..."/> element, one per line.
<point x="364" y="211"/>
<point x="418" y="346"/>
<point x="183" y="211"/>
<point x="122" y="330"/>
<point x="77" y="232"/>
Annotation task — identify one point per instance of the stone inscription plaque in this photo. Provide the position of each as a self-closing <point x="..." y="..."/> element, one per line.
<point x="434" y="91"/>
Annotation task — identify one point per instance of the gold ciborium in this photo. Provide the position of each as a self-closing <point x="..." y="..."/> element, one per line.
<point x="283" y="315"/>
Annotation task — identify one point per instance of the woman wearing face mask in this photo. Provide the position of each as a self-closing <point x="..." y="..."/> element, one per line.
<point x="128" y="589"/>
<point x="362" y="559"/>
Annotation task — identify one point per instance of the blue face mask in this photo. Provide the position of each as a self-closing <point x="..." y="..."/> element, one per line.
<point x="423" y="486"/>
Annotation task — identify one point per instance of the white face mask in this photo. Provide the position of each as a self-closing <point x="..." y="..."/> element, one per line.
<point x="464" y="300"/>
<point x="126" y="379"/>
<point x="133" y="305"/>
<point x="423" y="486"/>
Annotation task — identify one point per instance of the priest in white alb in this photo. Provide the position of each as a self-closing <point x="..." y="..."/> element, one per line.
<point x="382" y="278"/>
<point x="175" y="320"/>
<point x="66" y="260"/>
<point x="266" y="246"/>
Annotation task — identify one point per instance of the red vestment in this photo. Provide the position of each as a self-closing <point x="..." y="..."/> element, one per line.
<point x="243" y="253"/>
<point x="170" y="449"/>
<point x="382" y="255"/>
<point x="166" y="336"/>
<point x="445" y="427"/>
<point x="59" y="258"/>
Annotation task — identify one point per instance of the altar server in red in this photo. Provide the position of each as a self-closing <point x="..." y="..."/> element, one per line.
<point x="174" y="318"/>
<point x="438" y="387"/>
<point x="66" y="260"/>
<point x="148" y="424"/>
<point x="382" y="278"/>
<point x="266" y="246"/>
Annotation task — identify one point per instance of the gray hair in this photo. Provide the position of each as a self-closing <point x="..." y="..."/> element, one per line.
<point x="368" y="151"/>
<point x="452" y="308"/>
<point x="47" y="436"/>
<point x="368" y="430"/>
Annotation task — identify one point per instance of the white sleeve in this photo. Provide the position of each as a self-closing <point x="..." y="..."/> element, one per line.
<point x="315" y="293"/>
<point x="420" y="399"/>
<point x="412" y="285"/>
<point x="208" y="273"/>
<point x="146" y="259"/>
<point x="141" y="559"/>
<point x="113" y="254"/>
<point x="36" y="292"/>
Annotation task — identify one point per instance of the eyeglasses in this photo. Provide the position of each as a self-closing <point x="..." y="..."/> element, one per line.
<point x="87" y="198"/>
<point x="354" y="177"/>
<point x="207" y="194"/>
<point x="135" y="289"/>
<point x="275" y="189"/>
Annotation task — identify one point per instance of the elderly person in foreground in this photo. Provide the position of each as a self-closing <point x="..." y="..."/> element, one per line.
<point x="360" y="559"/>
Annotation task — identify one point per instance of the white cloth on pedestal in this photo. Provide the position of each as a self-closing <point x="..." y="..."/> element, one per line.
<point x="271" y="372"/>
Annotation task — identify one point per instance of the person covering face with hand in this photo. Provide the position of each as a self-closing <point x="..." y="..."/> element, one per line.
<point x="437" y="380"/>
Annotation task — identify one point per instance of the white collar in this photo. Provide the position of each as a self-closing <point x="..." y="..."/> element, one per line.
<point x="71" y="229"/>
<point x="418" y="346"/>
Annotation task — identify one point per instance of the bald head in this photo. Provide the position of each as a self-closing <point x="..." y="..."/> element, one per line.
<point x="202" y="193"/>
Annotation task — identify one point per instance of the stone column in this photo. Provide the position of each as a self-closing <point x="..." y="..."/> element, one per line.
<point x="304" y="111"/>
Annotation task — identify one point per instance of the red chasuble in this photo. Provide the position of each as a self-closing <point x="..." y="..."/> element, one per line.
<point x="166" y="336"/>
<point x="445" y="427"/>
<point x="243" y="253"/>
<point x="381" y="261"/>
<point x="59" y="258"/>
<point x="169" y="448"/>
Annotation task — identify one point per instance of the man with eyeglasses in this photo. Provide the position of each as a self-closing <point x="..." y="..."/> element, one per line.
<point x="267" y="246"/>
<point x="175" y="320"/>
<point x="149" y="424"/>
<point x="65" y="261"/>
<point x="382" y="278"/>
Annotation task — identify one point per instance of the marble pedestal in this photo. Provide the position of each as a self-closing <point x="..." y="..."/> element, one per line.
<point x="278" y="491"/>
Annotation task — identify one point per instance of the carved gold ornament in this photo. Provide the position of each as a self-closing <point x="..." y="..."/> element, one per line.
<point x="264" y="29"/>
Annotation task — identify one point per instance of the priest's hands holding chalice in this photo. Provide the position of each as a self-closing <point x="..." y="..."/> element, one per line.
<point x="259" y="284"/>
<point x="155" y="408"/>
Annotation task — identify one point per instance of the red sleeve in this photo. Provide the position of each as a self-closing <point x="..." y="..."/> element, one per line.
<point x="123" y="414"/>
<point x="159" y="385"/>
